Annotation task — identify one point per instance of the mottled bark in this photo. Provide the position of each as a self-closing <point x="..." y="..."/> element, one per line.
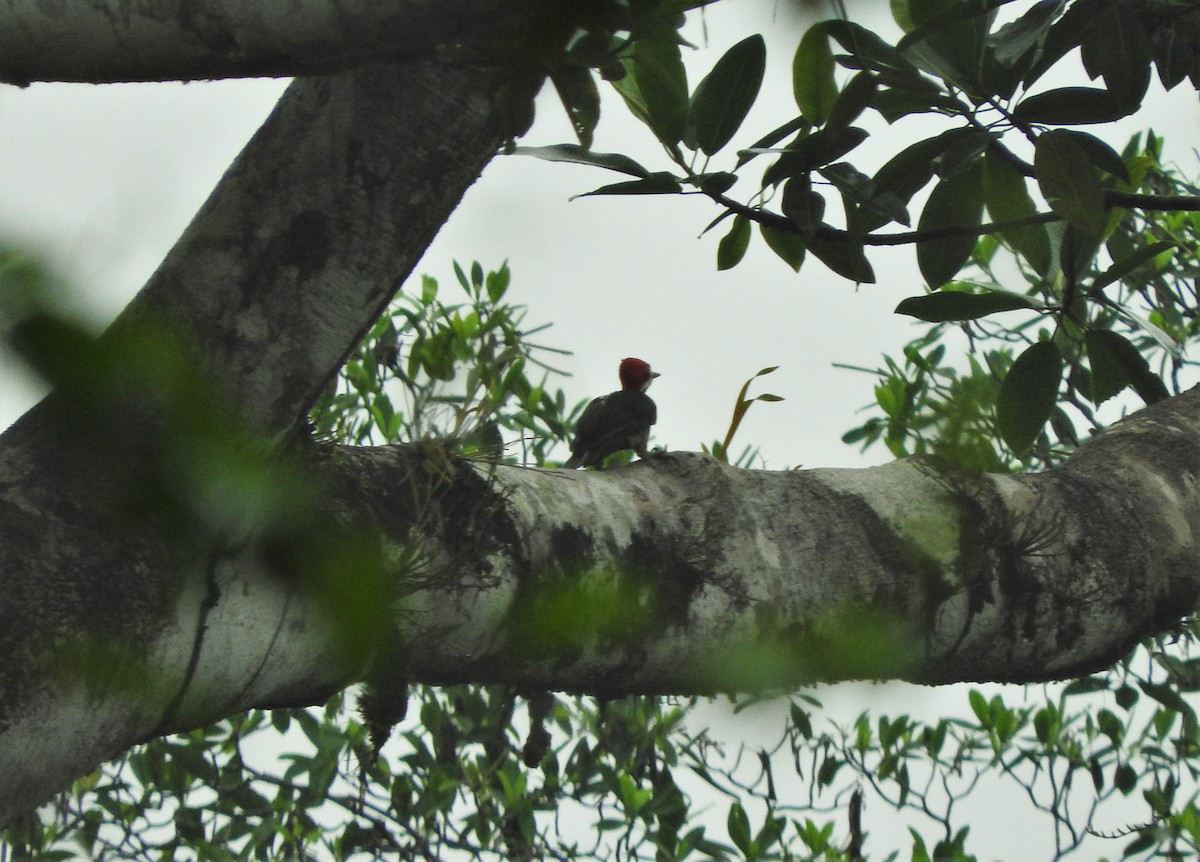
<point x="728" y="579"/>
<point x="299" y="248"/>
<point x="102" y="41"/>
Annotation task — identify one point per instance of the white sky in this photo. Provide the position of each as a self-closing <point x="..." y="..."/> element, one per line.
<point x="101" y="180"/>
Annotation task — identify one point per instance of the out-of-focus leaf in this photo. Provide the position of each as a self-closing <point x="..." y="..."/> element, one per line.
<point x="1028" y="394"/>
<point x="724" y="97"/>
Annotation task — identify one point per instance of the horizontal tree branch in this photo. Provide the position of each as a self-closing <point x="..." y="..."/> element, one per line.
<point x="100" y="41"/>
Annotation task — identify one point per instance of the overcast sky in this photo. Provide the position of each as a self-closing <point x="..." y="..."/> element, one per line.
<point x="102" y="179"/>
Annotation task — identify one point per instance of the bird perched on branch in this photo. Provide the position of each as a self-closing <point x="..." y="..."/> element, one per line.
<point x="619" y="420"/>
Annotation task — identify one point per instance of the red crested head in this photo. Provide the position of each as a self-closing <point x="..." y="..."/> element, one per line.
<point x="636" y="374"/>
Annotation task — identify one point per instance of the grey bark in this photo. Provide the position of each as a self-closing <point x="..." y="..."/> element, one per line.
<point x="103" y="41"/>
<point x="306" y="238"/>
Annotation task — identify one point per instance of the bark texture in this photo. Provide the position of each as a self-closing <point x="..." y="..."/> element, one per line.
<point x="102" y="41"/>
<point x="699" y="577"/>
<point x="304" y="241"/>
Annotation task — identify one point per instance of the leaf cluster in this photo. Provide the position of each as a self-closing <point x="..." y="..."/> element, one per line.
<point x="466" y="373"/>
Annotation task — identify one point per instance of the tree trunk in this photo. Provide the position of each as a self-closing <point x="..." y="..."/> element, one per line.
<point x="116" y="580"/>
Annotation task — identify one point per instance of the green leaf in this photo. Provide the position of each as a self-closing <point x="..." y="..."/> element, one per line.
<point x="903" y="176"/>
<point x="724" y="97"/>
<point x="949" y="31"/>
<point x="1117" y="47"/>
<point x="866" y="46"/>
<point x="1116" y="363"/>
<point x="1130" y="264"/>
<point x="655" y="88"/>
<point x="816" y="150"/>
<point x="716" y="183"/>
<point x="655" y="184"/>
<point x="732" y="247"/>
<point x="770" y="139"/>
<point x="812" y="76"/>
<point x="1013" y="40"/>
<point x="575" y="154"/>
<point x="787" y="245"/>
<point x="1007" y="197"/>
<point x="1070" y="181"/>
<point x="804" y="207"/>
<point x="1125" y="779"/>
<point x="1071" y="106"/>
<point x="956" y="201"/>
<point x="1174" y="55"/>
<point x="1101" y="154"/>
<point x="979" y="706"/>
<point x="1064" y="35"/>
<point x="955" y="305"/>
<point x="845" y="257"/>
<point x="854" y="98"/>
<point x="738" y="826"/>
<point x="1028" y="394"/>
<point x="577" y="90"/>
<point x="1108" y="375"/>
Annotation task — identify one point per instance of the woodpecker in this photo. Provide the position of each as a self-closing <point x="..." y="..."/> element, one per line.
<point x="619" y="420"/>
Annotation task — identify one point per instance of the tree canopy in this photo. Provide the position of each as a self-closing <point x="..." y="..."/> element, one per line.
<point x="275" y="483"/>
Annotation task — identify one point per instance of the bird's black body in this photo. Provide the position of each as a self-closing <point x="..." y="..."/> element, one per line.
<point x="617" y="421"/>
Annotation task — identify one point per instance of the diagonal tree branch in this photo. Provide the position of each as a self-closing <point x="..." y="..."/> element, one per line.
<point x="305" y="239"/>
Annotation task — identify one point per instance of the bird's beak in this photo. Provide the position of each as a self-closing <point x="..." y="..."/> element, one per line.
<point x="654" y="374"/>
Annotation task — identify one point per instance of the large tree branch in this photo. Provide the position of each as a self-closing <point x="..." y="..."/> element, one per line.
<point x="682" y="575"/>
<point x="100" y="41"/>
<point x="305" y="240"/>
